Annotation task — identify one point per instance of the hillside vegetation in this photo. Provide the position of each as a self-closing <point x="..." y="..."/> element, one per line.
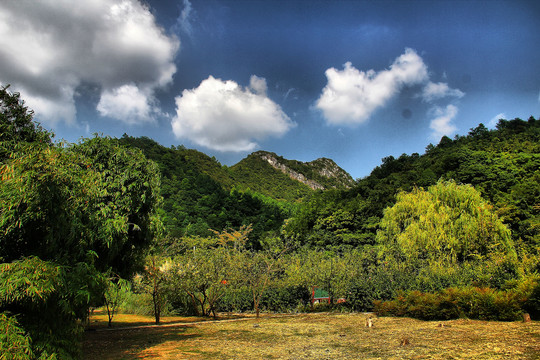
<point x="200" y="194"/>
<point x="129" y="223"/>
<point x="502" y="164"/>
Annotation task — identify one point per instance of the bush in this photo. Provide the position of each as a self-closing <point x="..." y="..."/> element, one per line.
<point x="380" y="283"/>
<point x="236" y="300"/>
<point x="285" y="299"/>
<point x="452" y="303"/>
<point x="532" y="302"/>
<point x="141" y="304"/>
<point x="182" y="304"/>
<point x="137" y="304"/>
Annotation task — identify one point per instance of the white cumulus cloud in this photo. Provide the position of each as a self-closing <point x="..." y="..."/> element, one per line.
<point x="127" y="103"/>
<point x="50" y="47"/>
<point x="442" y="123"/>
<point x="433" y="91"/>
<point x="351" y="95"/>
<point x="224" y="116"/>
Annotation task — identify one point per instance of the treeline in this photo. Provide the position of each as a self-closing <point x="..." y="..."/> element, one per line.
<point x="502" y="164"/>
<point x="440" y="253"/>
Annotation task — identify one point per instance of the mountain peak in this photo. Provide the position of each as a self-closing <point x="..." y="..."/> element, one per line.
<point x="319" y="174"/>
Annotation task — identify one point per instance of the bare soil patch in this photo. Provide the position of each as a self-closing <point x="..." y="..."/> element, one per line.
<point x="321" y="336"/>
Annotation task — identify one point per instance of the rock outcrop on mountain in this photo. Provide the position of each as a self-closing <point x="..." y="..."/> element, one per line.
<point x="319" y="174"/>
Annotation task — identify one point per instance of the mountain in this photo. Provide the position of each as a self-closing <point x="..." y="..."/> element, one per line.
<point x="200" y="194"/>
<point x="291" y="180"/>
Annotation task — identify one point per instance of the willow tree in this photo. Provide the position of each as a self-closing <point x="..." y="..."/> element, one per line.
<point x="444" y="231"/>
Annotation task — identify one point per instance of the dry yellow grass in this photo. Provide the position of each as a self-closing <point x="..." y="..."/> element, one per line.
<point x="321" y="336"/>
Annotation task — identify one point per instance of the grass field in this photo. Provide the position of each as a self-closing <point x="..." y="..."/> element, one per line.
<point x="312" y="336"/>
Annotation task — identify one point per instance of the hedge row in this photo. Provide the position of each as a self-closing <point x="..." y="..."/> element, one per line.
<point x="468" y="302"/>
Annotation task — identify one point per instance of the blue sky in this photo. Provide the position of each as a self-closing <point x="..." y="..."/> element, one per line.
<point x="354" y="81"/>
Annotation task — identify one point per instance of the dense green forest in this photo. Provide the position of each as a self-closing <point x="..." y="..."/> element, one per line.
<point x="199" y="195"/>
<point x="130" y="224"/>
<point x="502" y="164"/>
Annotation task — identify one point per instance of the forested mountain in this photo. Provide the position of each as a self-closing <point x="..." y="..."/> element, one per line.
<point x="503" y="164"/>
<point x="264" y="189"/>
<point x="200" y="194"/>
<point x="291" y="180"/>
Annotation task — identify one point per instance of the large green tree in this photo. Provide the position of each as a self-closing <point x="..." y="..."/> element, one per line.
<point x="16" y="123"/>
<point x="445" y="226"/>
<point x="68" y="215"/>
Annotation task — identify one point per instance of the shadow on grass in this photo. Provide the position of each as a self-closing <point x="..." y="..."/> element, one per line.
<point x="130" y="343"/>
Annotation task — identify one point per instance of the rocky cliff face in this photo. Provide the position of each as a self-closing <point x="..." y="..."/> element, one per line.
<point x="319" y="174"/>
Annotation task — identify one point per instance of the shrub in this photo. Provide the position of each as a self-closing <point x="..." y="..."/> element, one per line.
<point x="236" y="300"/>
<point x="452" y="303"/>
<point x="141" y="304"/>
<point x="284" y="299"/>
<point x="532" y="303"/>
<point x="182" y="304"/>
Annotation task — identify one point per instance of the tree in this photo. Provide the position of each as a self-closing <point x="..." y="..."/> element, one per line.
<point x="203" y="273"/>
<point x="447" y="221"/>
<point x="206" y="266"/>
<point x="46" y="300"/>
<point x="155" y="281"/>
<point x="16" y="124"/>
<point x="68" y="214"/>
<point x="126" y="204"/>
<point x="115" y="294"/>
<point x="256" y="270"/>
<point x="445" y="225"/>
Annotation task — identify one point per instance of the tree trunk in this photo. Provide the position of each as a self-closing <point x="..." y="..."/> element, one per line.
<point x="109" y="315"/>
<point x="157" y="310"/>
<point x="256" y="303"/>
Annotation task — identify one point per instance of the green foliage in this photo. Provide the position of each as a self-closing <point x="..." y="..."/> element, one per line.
<point x="17" y="125"/>
<point x="452" y="303"/>
<point x="236" y="299"/>
<point x="285" y="298"/>
<point x="256" y="271"/>
<point x="333" y="219"/>
<point x="155" y="282"/>
<point x="14" y="343"/>
<point x="47" y="299"/>
<point x="447" y="236"/>
<point x="529" y="289"/>
<point x="92" y="202"/>
<point x="202" y="273"/>
<point x="447" y="222"/>
<point x="68" y="214"/>
<point x="117" y="290"/>
<point x="199" y="195"/>
<point x="503" y="165"/>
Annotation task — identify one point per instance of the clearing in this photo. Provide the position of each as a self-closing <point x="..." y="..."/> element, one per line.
<point x="311" y="336"/>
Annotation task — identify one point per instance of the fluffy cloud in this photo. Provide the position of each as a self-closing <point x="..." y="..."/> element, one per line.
<point x="442" y="122"/>
<point x="127" y="103"/>
<point x="351" y="96"/>
<point x="434" y="91"/>
<point x="48" y="48"/>
<point x="223" y="116"/>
